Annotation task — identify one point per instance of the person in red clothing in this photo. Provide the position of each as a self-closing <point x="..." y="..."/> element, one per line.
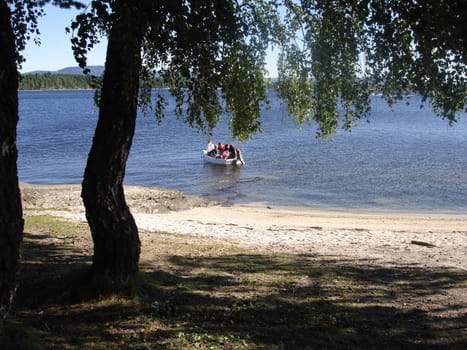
<point x="220" y="149"/>
<point x="226" y="152"/>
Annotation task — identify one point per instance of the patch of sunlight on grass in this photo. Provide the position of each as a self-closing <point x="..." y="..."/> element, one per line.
<point x="50" y="223"/>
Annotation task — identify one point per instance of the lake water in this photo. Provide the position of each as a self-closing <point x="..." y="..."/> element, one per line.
<point x="405" y="159"/>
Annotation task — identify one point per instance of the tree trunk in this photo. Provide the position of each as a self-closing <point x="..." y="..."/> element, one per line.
<point x="114" y="232"/>
<point x="11" y="215"/>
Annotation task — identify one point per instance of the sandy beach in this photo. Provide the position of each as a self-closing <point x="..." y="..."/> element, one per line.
<point x="389" y="239"/>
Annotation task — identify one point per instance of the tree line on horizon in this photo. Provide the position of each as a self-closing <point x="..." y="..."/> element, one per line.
<point x="49" y="81"/>
<point x="55" y="82"/>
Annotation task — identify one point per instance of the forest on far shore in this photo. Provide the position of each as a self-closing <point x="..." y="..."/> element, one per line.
<point x="49" y="81"/>
<point x="54" y="82"/>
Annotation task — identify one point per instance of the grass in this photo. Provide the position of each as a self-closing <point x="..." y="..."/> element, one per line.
<point x="195" y="293"/>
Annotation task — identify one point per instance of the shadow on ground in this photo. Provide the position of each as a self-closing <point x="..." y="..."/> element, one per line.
<point x="239" y="301"/>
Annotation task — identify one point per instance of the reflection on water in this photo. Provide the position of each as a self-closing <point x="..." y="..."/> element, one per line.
<point x="228" y="172"/>
<point x="222" y="181"/>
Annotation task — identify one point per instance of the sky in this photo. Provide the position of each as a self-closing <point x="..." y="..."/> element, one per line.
<point x="55" y="52"/>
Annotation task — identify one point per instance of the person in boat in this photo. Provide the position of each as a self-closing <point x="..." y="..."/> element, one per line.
<point x="212" y="149"/>
<point x="233" y="152"/>
<point x="226" y="152"/>
<point x="220" y="149"/>
<point x="211" y="146"/>
<point x="213" y="152"/>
